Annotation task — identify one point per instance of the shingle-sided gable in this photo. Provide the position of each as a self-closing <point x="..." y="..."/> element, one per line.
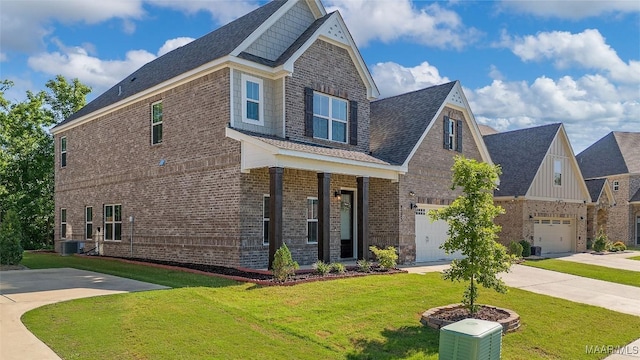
<point x="520" y="154"/>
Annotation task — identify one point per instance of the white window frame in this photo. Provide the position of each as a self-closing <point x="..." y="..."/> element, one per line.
<point x="88" y="221"/>
<point x="452" y="134"/>
<point x="616" y="185"/>
<point x="331" y="119"/>
<point x="244" y="78"/>
<point x="113" y="222"/>
<point x="63" y="223"/>
<point x="561" y="172"/>
<point x="63" y="152"/>
<point x="313" y="218"/>
<point x="159" y="123"/>
<point x="265" y="220"/>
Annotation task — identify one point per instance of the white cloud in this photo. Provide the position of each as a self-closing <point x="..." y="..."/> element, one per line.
<point x="587" y="49"/>
<point x="174" y="44"/>
<point x="3" y="57"/>
<point x="574" y="9"/>
<point x="390" y="20"/>
<point x="393" y="79"/>
<point x="222" y="11"/>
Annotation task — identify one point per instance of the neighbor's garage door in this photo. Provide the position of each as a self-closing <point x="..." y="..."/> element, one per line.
<point x="553" y="235"/>
<point x="429" y="237"/>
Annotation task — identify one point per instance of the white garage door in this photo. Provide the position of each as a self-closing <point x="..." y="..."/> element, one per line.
<point x="429" y="237"/>
<point x="553" y="235"/>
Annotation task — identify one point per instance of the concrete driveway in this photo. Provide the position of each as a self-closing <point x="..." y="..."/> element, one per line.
<point x="614" y="260"/>
<point x="23" y="290"/>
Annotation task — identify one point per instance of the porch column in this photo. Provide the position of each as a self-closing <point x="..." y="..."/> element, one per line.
<point x="276" y="175"/>
<point x="363" y="218"/>
<point x="324" y="217"/>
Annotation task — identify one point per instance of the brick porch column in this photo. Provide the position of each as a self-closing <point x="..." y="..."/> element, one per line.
<point x="324" y="217"/>
<point x="276" y="175"/>
<point x="363" y="218"/>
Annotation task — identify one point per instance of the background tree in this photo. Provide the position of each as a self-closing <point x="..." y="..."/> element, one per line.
<point x="27" y="154"/>
<point x="472" y="230"/>
<point x="10" y="239"/>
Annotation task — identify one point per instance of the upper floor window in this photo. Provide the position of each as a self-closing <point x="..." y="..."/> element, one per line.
<point x="88" y="222"/>
<point x="252" y="100"/>
<point x="616" y="185"/>
<point x="113" y="222"/>
<point x="265" y="219"/>
<point x="557" y="172"/>
<point x="156" y="123"/>
<point x="63" y="151"/>
<point x="63" y="223"/>
<point x="312" y="220"/>
<point x="452" y="134"/>
<point x="329" y="118"/>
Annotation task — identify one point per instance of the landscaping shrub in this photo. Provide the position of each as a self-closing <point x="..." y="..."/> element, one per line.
<point x="364" y="265"/>
<point x="515" y="249"/>
<point x="10" y="239"/>
<point x="387" y="258"/>
<point x="339" y="268"/>
<point x="283" y="265"/>
<point x="322" y="267"/>
<point x="526" y="248"/>
<point x="618" y="246"/>
<point x="600" y="244"/>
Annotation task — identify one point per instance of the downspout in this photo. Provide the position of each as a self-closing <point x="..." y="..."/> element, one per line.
<point x="131" y="233"/>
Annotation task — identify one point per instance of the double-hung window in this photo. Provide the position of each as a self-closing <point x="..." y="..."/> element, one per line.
<point x="113" y="222"/>
<point x="329" y="117"/>
<point x="63" y="223"/>
<point x="312" y="220"/>
<point x="63" y="151"/>
<point x="616" y="185"/>
<point x="156" y="123"/>
<point x="88" y="222"/>
<point x="452" y="134"/>
<point x="252" y="100"/>
<point x="557" y="172"/>
<point x="265" y="219"/>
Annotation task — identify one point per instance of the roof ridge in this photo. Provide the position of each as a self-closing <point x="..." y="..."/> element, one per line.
<point x="414" y="91"/>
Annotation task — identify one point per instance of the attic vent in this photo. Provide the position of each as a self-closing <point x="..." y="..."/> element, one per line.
<point x="133" y="79"/>
<point x="456" y="98"/>
<point x="119" y="90"/>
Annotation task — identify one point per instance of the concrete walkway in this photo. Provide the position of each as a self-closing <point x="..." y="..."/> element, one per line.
<point x="614" y="260"/>
<point x="616" y="297"/>
<point x="23" y="290"/>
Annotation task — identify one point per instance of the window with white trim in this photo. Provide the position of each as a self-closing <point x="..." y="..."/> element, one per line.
<point x="616" y="185"/>
<point x="557" y="172"/>
<point x="156" y="123"/>
<point x="63" y="151"/>
<point x="88" y="222"/>
<point x="329" y="117"/>
<point x="452" y="134"/>
<point x="252" y="100"/>
<point x="265" y="219"/>
<point x="63" y="223"/>
<point x="113" y="222"/>
<point x="312" y="220"/>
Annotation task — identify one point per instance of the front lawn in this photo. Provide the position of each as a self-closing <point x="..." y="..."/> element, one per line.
<point x="375" y="317"/>
<point x="625" y="277"/>
<point x="634" y="258"/>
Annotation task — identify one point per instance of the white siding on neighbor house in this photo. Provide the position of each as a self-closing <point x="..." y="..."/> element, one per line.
<point x="273" y="42"/>
<point x="272" y="102"/>
<point x="543" y="186"/>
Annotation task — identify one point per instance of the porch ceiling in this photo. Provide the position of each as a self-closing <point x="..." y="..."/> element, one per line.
<point x="259" y="151"/>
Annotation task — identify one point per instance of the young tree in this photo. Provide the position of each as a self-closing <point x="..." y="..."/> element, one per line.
<point x="27" y="155"/>
<point x="472" y="231"/>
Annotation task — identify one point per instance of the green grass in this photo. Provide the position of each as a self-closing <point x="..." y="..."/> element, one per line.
<point x="375" y="317"/>
<point x="625" y="277"/>
<point x="634" y="258"/>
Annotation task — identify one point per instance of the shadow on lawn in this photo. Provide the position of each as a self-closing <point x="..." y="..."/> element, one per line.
<point x="400" y="343"/>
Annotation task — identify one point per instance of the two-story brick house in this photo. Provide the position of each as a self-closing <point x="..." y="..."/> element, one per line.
<point x="256" y="134"/>
<point x="616" y="158"/>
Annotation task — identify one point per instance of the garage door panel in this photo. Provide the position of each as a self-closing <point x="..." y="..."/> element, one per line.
<point x="429" y="236"/>
<point x="553" y="235"/>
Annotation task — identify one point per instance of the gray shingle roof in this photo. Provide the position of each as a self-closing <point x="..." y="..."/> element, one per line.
<point x="629" y="144"/>
<point x="520" y="154"/>
<point x="212" y="46"/>
<point x="595" y="187"/>
<point x="636" y="197"/>
<point x="603" y="158"/>
<point x="398" y="122"/>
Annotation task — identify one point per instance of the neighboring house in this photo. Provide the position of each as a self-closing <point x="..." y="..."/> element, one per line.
<point x="616" y="157"/>
<point x="598" y="209"/>
<point x="541" y="189"/>
<point x="259" y="133"/>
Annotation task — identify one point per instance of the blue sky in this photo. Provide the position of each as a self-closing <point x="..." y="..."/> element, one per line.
<point x="521" y="63"/>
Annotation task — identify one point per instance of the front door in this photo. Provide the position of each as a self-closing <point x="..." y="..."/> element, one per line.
<point x="346" y="224"/>
<point x="638" y="230"/>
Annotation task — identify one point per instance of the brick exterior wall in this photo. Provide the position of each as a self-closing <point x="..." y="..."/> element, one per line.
<point x="429" y="177"/>
<point x="328" y="69"/>
<point x="186" y="210"/>
<point x="622" y="216"/>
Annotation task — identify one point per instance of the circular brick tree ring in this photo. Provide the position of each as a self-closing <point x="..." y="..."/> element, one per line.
<point x="434" y="319"/>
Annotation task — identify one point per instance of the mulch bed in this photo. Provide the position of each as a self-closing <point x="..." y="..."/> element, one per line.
<point x="260" y="277"/>
<point x="483" y="313"/>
